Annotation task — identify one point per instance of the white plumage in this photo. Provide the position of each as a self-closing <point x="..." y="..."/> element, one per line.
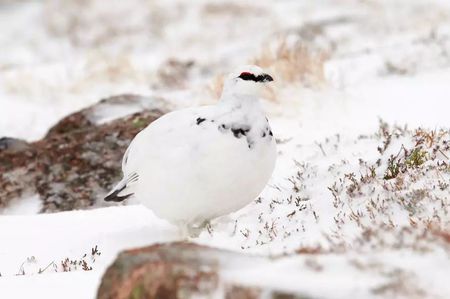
<point x="196" y="164"/>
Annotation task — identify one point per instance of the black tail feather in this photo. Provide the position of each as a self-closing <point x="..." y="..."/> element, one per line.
<point x="115" y="197"/>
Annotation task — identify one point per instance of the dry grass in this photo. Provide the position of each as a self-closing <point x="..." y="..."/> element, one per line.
<point x="216" y="86"/>
<point x="90" y="24"/>
<point x="232" y="9"/>
<point x="174" y="73"/>
<point x="362" y="209"/>
<point x="288" y="63"/>
<point x="293" y="63"/>
<point x="84" y="263"/>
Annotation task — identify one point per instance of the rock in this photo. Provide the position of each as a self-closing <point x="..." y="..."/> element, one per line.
<point x="12" y="144"/>
<point x="79" y="160"/>
<point x="104" y="111"/>
<point x="160" y="271"/>
<point x="182" y="270"/>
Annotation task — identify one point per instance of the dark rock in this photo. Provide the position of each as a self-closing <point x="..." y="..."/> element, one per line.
<point x="110" y="108"/>
<point x="13" y="144"/>
<point x="71" y="123"/>
<point x="177" y="270"/>
<point x="78" y="161"/>
<point x="240" y="292"/>
<point x="183" y="270"/>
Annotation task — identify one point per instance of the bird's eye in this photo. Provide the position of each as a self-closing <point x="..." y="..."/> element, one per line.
<point x="247" y="76"/>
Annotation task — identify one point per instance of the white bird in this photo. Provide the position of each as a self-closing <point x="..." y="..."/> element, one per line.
<point x="195" y="164"/>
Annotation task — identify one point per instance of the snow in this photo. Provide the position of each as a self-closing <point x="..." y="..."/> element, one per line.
<point x="53" y="285"/>
<point x="37" y="241"/>
<point x="387" y="59"/>
<point x="54" y="237"/>
<point x="25" y="206"/>
<point x="401" y="100"/>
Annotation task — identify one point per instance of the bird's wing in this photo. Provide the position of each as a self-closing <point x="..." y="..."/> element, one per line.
<point x="149" y="140"/>
<point x="162" y="135"/>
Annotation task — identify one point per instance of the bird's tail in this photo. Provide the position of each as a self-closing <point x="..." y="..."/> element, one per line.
<point x="122" y="190"/>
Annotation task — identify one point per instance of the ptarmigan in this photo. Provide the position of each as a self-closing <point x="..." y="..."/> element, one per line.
<point x="195" y="164"/>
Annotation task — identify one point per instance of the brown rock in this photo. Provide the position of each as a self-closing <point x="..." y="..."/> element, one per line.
<point x="80" y="158"/>
<point x="175" y="270"/>
<point x="182" y="270"/>
<point x="240" y="292"/>
<point x="13" y="144"/>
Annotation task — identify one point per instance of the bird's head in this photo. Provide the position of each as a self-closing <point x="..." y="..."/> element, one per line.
<point x="247" y="80"/>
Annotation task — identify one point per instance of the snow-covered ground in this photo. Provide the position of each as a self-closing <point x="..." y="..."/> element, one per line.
<point x="33" y="243"/>
<point x="375" y="59"/>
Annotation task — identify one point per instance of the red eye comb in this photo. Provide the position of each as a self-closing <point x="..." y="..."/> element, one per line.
<point x="246" y="74"/>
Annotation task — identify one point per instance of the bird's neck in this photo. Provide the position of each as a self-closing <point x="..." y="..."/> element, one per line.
<point x="239" y="101"/>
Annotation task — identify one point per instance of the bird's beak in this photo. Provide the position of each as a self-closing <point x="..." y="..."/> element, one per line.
<point x="266" y="78"/>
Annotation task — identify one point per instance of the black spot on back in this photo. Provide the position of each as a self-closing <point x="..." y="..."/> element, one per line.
<point x="222" y="128"/>
<point x="239" y="132"/>
<point x="200" y="120"/>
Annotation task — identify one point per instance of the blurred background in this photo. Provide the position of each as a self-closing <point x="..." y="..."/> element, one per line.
<point x="341" y="64"/>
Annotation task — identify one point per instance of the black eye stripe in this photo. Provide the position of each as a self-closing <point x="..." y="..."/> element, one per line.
<point x="250" y="77"/>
